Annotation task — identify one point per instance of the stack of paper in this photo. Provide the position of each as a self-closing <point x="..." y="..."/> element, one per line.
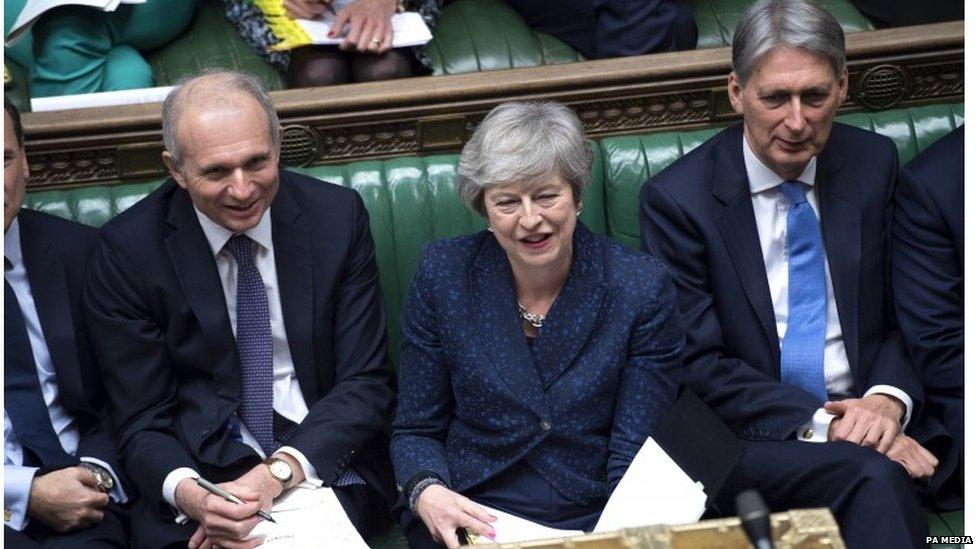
<point x="654" y="490"/>
<point x="309" y="517"/>
<point x="35" y="8"/>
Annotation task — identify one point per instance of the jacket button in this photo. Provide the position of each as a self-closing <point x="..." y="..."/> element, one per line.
<point x="808" y="434"/>
<point x="545" y="425"/>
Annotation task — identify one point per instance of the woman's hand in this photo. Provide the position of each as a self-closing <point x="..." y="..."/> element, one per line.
<point x="305" y="9"/>
<point x="370" y="30"/>
<point x="444" y="511"/>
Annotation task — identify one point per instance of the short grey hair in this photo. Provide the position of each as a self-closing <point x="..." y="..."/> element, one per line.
<point x="768" y="24"/>
<point x="218" y="89"/>
<point x="524" y="142"/>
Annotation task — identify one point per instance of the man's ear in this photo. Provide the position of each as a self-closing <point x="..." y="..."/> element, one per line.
<point x="174" y="170"/>
<point x="735" y="92"/>
<point x="843" y="85"/>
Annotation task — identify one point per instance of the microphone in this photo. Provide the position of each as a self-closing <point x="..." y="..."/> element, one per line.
<point x="754" y="515"/>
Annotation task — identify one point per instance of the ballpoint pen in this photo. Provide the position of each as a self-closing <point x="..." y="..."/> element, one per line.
<point x="227" y="496"/>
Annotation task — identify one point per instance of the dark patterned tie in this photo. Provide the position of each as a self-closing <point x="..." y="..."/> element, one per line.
<point x="23" y="399"/>
<point x="254" y="345"/>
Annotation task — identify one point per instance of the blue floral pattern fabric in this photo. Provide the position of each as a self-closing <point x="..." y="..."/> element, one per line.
<point x="576" y="406"/>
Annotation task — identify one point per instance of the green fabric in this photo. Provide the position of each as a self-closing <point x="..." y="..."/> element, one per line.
<point x="78" y="49"/>
<point x="716" y="19"/>
<point x="210" y="42"/>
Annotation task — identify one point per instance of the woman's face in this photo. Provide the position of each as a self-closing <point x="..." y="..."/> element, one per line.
<point x="533" y="222"/>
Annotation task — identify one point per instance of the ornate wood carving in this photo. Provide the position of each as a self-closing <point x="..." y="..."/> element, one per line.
<point x="892" y="67"/>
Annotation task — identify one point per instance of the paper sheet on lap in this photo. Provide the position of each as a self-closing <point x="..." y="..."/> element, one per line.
<point x="309" y="517"/>
<point x="654" y="490"/>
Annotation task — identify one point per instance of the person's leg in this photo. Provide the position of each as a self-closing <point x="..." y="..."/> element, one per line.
<point x="318" y="66"/>
<point x="871" y="496"/>
<point x="15" y="539"/>
<point x="365" y="509"/>
<point x="396" y="63"/>
<point x="111" y="533"/>
<point x="153" y="24"/>
<point x="21" y="51"/>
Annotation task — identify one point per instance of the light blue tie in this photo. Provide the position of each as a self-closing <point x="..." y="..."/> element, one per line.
<point x="801" y="359"/>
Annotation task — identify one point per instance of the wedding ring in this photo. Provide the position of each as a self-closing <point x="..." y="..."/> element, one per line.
<point x="376" y="41"/>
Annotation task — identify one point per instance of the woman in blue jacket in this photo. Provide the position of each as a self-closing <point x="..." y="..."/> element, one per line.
<point x="537" y="356"/>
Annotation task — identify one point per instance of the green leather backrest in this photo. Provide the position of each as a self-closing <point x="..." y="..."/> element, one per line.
<point x="410" y="200"/>
<point x="631" y="160"/>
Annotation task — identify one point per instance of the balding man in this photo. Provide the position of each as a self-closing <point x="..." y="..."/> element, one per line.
<point x="237" y="315"/>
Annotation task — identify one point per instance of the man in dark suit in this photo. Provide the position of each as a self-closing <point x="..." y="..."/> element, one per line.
<point x="927" y="281"/>
<point x="775" y="233"/>
<point x="61" y="487"/>
<point x="237" y="313"/>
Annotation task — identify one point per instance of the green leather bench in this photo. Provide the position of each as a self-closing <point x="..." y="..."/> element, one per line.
<point x="471" y="36"/>
<point x="411" y="200"/>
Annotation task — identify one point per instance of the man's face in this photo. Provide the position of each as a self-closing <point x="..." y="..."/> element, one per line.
<point x="788" y="107"/>
<point x="230" y="163"/>
<point x="15" y="173"/>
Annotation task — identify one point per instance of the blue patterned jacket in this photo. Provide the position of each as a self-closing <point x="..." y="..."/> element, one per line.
<point x="576" y="406"/>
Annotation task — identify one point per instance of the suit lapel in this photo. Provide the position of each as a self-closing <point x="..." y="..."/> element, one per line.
<point x="293" y="264"/>
<point x="196" y="271"/>
<point x="737" y="225"/>
<point x="500" y="330"/>
<point x="840" y="223"/>
<point x="574" y="313"/>
<point x="52" y="301"/>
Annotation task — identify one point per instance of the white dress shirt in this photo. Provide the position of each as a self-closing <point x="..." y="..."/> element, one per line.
<point x="771" y="209"/>
<point x="288" y="399"/>
<point x="17" y="477"/>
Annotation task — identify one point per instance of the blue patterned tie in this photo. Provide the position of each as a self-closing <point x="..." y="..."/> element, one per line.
<point x="254" y="345"/>
<point x="23" y="399"/>
<point x="801" y="360"/>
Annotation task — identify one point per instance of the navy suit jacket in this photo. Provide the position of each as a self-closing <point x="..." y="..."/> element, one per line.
<point x="927" y="262"/>
<point x="576" y="406"/>
<point x="56" y="254"/>
<point x="161" y="331"/>
<point x="697" y="216"/>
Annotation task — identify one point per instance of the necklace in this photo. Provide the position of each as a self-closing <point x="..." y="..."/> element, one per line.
<point x="533" y="319"/>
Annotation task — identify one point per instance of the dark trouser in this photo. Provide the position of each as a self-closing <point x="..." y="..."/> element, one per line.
<point x="111" y="533"/>
<point x="871" y="497"/>
<point x="366" y="509"/>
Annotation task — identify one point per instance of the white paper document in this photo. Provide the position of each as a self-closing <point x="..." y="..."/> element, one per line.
<point x="309" y="517"/>
<point x="100" y="99"/>
<point x="654" y="490"/>
<point x="35" y="8"/>
<point x="409" y="29"/>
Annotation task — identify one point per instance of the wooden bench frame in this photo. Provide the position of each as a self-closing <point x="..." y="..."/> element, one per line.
<point x="888" y="68"/>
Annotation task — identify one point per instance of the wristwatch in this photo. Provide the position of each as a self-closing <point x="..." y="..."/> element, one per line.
<point x="280" y="470"/>
<point x="103" y="478"/>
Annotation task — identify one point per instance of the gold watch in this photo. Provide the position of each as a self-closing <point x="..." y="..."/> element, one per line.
<point x="280" y="470"/>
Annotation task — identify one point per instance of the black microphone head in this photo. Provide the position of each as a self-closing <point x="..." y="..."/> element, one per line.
<point x="754" y="515"/>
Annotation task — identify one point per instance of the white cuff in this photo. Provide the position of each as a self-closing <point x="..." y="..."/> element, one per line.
<point x="900" y="395"/>
<point x="817" y="428"/>
<point x="17" y="481"/>
<point x="117" y="494"/>
<point x="310" y="475"/>
<point x="169" y="488"/>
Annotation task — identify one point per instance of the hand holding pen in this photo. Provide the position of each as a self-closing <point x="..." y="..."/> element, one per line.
<point x="227" y="496"/>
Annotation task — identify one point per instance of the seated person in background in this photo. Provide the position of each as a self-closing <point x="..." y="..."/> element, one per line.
<point x="240" y="327"/>
<point x="613" y="28"/>
<point x="60" y="468"/>
<point x="927" y="279"/>
<point x="78" y="49"/>
<point x="365" y="55"/>
<point x="775" y="231"/>
<point x="538" y="356"/>
<point x="900" y="13"/>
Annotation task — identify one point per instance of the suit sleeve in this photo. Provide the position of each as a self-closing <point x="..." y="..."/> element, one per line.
<point x="649" y="381"/>
<point x="927" y="281"/>
<point x="754" y="405"/>
<point x="357" y="406"/>
<point x="136" y="367"/>
<point x="892" y="365"/>
<point x="426" y="397"/>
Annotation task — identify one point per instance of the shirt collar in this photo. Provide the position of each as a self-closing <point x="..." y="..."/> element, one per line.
<point x="218" y="235"/>
<point x="11" y="244"/>
<point x="761" y="178"/>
